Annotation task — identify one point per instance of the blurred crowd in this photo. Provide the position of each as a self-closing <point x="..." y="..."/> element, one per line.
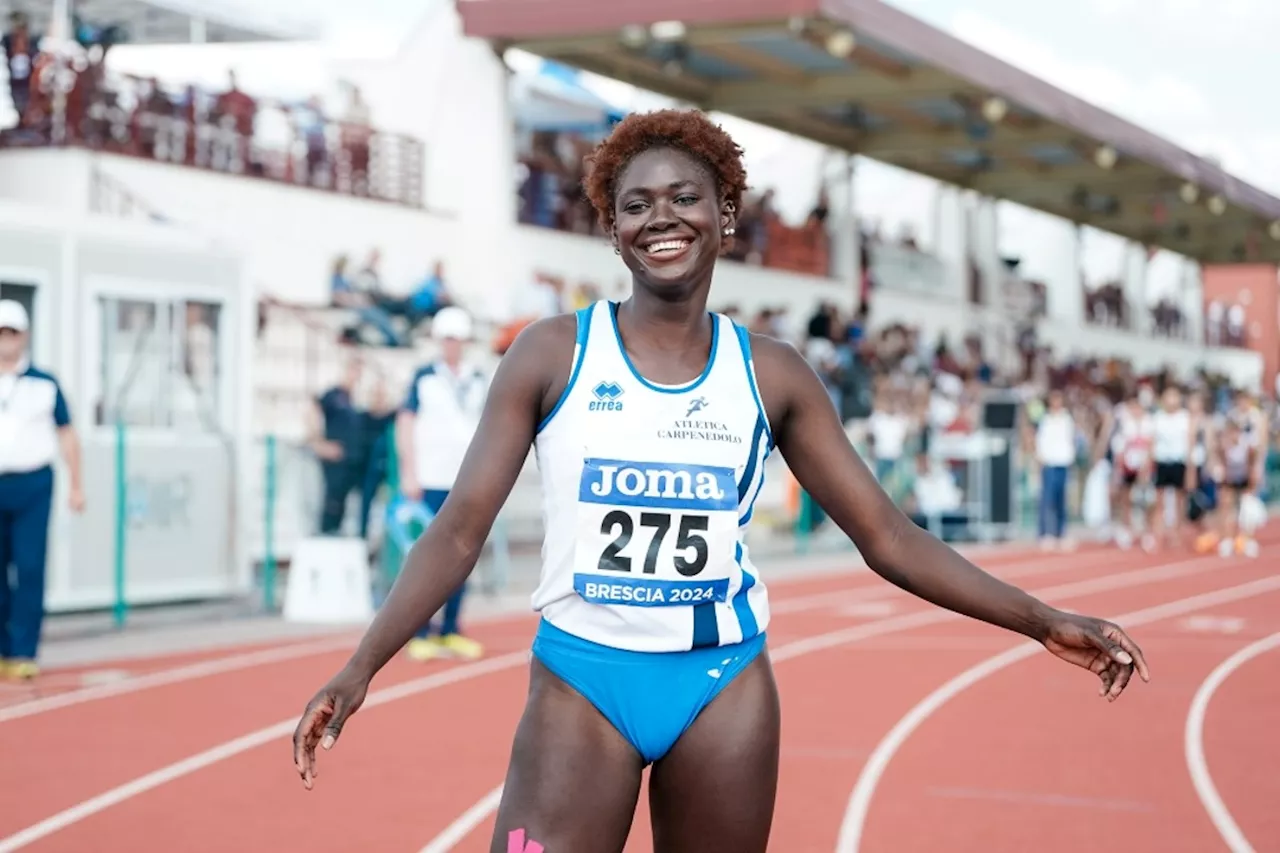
<point x="65" y="94"/>
<point x="382" y="316"/>
<point x="1107" y="305"/>
<point x="899" y="391"/>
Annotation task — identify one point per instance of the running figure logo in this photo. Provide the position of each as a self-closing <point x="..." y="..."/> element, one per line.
<point x="696" y="406"/>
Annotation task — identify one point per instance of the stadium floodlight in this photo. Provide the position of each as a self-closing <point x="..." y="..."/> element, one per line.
<point x="841" y="43"/>
<point x="1274" y="230"/>
<point x="994" y="109"/>
<point x="1105" y="156"/>
<point x="1189" y="192"/>
<point x="1217" y="205"/>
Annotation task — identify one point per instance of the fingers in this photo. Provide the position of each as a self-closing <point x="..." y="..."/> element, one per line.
<point x="1120" y="681"/>
<point x="1122" y="657"/>
<point x="1118" y="635"/>
<point x="341" y="710"/>
<point x="305" y="738"/>
<point x="1114" y="677"/>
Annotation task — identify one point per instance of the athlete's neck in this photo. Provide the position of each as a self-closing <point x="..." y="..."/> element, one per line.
<point x="674" y="325"/>
<point x="10" y="365"/>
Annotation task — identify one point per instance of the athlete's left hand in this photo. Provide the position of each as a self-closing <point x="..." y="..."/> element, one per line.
<point x="1098" y="646"/>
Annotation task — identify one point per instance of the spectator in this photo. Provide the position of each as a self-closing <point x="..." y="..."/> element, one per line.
<point x="433" y="432"/>
<point x="35" y="425"/>
<point x="356" y="136"/>
<point x="1055" y="453"/>
<point x="234" y="111"/>
<point x="338" y="437"/>
<point x="345" y="293"/>
<point x="427" y="299"/>
<point x="377" y="420"/>
<point x="888" y="428"/>
<point x="20" y="51"/>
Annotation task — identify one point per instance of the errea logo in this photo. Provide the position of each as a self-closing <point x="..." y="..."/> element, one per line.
<point x="606" y="398"/>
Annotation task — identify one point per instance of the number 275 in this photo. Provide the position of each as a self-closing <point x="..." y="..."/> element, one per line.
<point x="622" y="526"/>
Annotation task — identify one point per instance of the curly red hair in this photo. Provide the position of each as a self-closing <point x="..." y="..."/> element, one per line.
<point x="685" y="130"/>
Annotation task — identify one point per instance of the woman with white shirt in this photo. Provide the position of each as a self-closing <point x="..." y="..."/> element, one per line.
<point x="1055" y="453"/>
<point x="1131" y="445"/>
<point x="1173" y="443"/>
<point x="888" y="428"/>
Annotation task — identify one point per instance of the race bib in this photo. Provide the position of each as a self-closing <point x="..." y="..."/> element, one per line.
<point x="655" y="534"/>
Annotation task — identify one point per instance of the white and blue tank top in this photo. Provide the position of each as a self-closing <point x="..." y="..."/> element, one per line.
<point x="647" y="491"/>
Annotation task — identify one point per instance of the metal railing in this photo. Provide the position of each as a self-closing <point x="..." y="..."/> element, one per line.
<point x="288" y="143"/>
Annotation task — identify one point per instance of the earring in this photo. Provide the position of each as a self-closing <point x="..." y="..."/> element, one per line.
<point x="617" y="250"/>
<point x="728" y="232"/>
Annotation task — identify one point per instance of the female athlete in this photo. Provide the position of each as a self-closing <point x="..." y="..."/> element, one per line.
<point x="651" y="420"/>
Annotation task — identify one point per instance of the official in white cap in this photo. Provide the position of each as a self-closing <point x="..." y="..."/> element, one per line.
<point x="35" y="424"/>
<point x="433" y="431"/>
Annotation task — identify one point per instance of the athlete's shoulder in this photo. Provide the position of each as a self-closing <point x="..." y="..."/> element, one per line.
<point x="773" y="354"/>
<point x="781" y="372"/>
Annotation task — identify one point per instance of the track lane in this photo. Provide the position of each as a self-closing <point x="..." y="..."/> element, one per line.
<point x="64" y="687"/>
<point x="809" y="699"/>
<point x="108" y="729"/>
<point x="283" y="688"/>
<point x="1028" y="757"/>
<point x="1238" y="743"/>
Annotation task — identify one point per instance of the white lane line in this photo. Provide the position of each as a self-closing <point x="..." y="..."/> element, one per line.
<point x="855" y="816"/>
<point x="248" y="660"/>
<point x="1193" y="743"/>
<point x="164" y="677"/>
<point x="1046" y="564"/>
<point x="142" y="784"/>
<point x="223" y="751"/>
<point x="465" y="823"/>
<point x="454" y="832"/>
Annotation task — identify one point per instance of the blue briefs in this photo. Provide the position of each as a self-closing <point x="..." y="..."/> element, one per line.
<point x="651" y="698"/>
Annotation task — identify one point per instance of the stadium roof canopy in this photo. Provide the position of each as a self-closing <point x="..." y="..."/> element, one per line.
<point x="864" y="77"/>
<point x="171" y="21"/>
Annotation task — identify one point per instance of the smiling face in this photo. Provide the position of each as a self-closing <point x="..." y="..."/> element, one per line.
<point x="669" y="221"/>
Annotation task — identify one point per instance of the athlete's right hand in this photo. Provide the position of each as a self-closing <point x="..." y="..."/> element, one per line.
<point x="323" y="719"/>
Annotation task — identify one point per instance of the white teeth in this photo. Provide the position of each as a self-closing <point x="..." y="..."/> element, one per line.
<point x="666" y="246"/>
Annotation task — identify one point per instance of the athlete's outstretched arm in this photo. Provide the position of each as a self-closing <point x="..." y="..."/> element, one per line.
<point x="813" y="442"/>
<point x="527" y="383"/>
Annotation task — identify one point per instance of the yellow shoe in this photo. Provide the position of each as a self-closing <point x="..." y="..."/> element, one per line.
<point x="420" y="649"/>
<point x="22" y="670"/>
<point x="463" y="647"/>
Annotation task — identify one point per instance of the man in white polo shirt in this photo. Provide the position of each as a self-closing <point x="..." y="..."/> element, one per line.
<point x="433" y="431"/>
<point x="34" y="425"/>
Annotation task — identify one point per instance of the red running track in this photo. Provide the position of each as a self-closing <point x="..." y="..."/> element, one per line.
<point x="1027" y="758"/>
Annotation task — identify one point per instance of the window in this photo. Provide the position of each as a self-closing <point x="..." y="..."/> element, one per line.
<point x="161" y="365"/>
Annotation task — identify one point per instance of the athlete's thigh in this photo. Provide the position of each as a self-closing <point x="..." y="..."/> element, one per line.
<point x="573" y="780"/>
<point x="715" y="790"/>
